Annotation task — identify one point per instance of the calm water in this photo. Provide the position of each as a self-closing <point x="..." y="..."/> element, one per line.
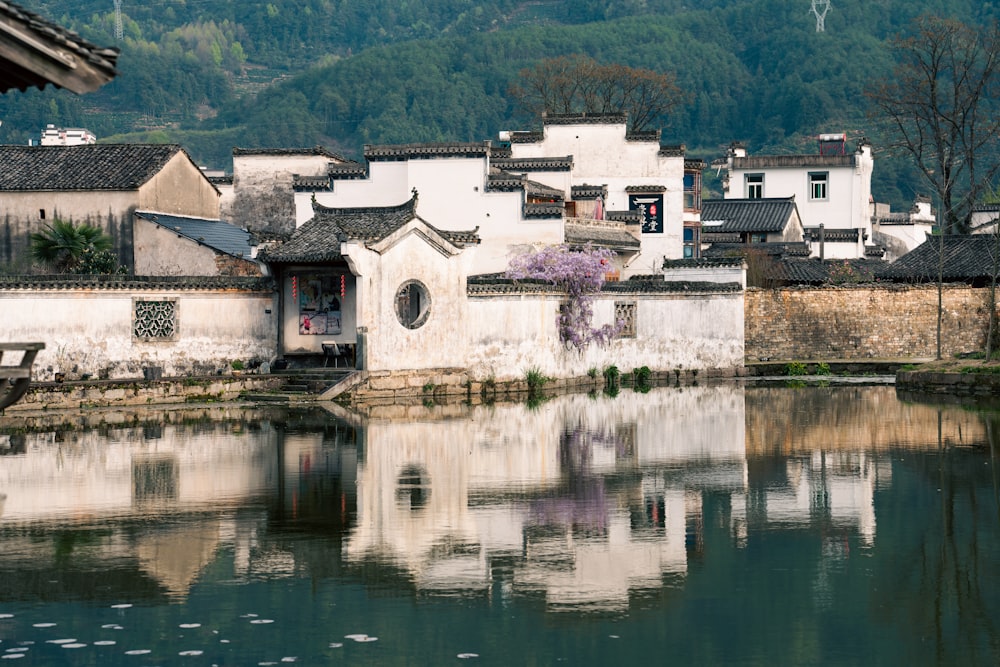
<point x="703" y="525"/>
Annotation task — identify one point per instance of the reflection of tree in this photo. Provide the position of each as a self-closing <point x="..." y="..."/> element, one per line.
<point x="940" y="555"/>
<point x="581" y="500"/>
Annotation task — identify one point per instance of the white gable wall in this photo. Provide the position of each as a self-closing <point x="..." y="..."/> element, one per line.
<point x="602" y="156"/>
<point x="451" y="196"/>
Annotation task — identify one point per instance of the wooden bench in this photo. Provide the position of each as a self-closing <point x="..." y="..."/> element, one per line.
<point x="14" y="380"/>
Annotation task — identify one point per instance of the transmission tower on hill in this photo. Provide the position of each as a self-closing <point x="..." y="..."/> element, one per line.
<point x="119" y="33"/>
<point x="820" y="8"/>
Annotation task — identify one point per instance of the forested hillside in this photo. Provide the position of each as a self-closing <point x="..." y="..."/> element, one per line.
<point x="214" y="74"/>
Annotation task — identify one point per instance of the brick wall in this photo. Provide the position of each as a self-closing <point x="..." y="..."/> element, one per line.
<point x="867" y="322"/>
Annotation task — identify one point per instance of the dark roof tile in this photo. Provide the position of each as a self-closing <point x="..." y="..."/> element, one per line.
<point x="215" y="234"/>
<point x="746" y="215"/>
<point x="69" y="61"/>
<point x="91" y="167"/>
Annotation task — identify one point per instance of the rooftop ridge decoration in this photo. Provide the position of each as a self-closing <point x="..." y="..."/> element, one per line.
<point x="677" y="150"/>
<point x="645" y="188"/>
<point x="408" y="206"/>
<point x="646" y="135"/>
<point x="815" y="160"/>
<point x="628" y="217"/>
<point x="584" y="118"/>
<point x="498" y="285"/>
<point x="585" y="191"/>
<point x="526" y="137"/>
<point x="315" y="150"/>
<point x="543" y="210"/>
<point x="135" y="283"/>
<point x="564" y="163"/>
<point x="426" y="150"/>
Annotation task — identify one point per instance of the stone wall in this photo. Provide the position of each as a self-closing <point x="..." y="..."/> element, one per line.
<point x="863" y="322"/>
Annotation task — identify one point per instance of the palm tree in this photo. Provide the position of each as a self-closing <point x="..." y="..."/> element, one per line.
<point x="62" y="245"/>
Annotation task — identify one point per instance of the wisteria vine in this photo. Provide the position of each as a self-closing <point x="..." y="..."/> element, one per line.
<point x="579" y="272"/>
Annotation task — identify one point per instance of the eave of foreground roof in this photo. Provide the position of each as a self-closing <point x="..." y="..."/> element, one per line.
<point x="35" y="52"/>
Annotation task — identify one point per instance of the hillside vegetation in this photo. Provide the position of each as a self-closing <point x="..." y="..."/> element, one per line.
<point x="214" y="74"/>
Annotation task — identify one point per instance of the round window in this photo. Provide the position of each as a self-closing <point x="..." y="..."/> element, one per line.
<point x="413" y="304"/>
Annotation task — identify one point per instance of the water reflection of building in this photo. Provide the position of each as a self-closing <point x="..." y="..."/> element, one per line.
<point x="116" y="502"/>
<point x="584" y="500"/>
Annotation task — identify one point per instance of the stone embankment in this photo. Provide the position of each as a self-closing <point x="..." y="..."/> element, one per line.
<point x="955" y="377"/>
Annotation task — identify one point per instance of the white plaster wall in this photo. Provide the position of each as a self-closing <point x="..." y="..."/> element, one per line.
<point x="602" y="156"/>
<point x="707" y="273"/>
<point x="90" y="331"/>
<point x="440" y="341"/>
<point x="451" y="196"/>
<point x="161" y="252"/>
<point x="848" y="205"/>
<point x="510" y="334"/>
<point x="250" y="170"/>
<point x="180" y="188"/>
<point x="900" y="239"/>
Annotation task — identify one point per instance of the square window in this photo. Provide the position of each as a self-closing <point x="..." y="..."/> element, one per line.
<point x="154" y="320"/>
<point x="818" y="185"/>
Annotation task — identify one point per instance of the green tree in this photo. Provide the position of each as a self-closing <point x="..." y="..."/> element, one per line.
<point x="63" y="245"/>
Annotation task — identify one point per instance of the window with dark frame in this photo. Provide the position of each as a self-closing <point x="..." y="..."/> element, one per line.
<point x="819" y="185"/>
<point x="754" y="186"/>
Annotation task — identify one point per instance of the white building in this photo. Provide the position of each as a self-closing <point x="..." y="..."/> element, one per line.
<point x="73" y="136"/>
<point x="582" y="179"/>
<point x="901" y="232"/>
<point x="832" y="190"/>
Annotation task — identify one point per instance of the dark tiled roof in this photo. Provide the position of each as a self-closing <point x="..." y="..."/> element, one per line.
<point x="746" y="215"/>
<point x="345" y="170"/>
<point x="543" y="210"/>
<point x="534" y="163"/>
<point x="966" y="258"/>
<point x="672" y="151"/>
<point x="632" y="217"/>
<point x="639" y="189"/>
<point x="504" y="181"/>
<point x="526" y="137"/>
<point x="319" y="239"/>
<point x="315" y="150"/>
<point x="310" y="183"/>
<point x="486" y="285"/>
<point x="137" y="283"/>
<point x="694" y="165"/>
<point x="769" y="161"/>
<point x="649" y="136"/>
<point x="703" y="262"/>
<point x="215" y="234"/>
<point x="426" y="151"/>
<point x="91" y="167"/>
<point x="813" y="271"/>
<point x="583" y="118"/>
<point x="603" y="236"/>
<point x="220" y="180"/>
<point x="536" y="189"/>
<point x="589" y="191"/>
<point x="740" y="249"/>
<point x="36" y="52"/>
<point x="848" y="235"/>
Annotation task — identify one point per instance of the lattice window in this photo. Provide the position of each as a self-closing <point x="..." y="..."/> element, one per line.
<point x="154" y="320"/>
<point x="625" y="313"/>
